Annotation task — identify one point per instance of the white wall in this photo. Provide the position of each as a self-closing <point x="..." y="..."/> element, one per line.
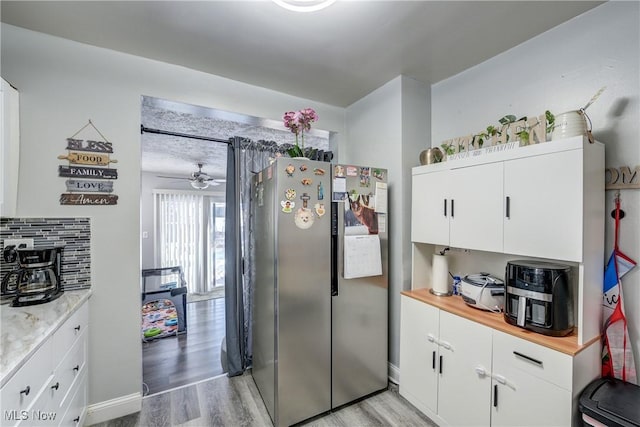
<point x="388" y="128"/>
<point x="560" y="70"/>
<point x="62" y="84"/>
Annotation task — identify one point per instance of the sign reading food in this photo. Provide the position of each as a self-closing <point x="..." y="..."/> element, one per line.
<point x="78" y="157"/>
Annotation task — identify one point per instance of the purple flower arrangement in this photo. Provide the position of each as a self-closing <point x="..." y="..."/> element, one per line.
<point x="299" y="122"/>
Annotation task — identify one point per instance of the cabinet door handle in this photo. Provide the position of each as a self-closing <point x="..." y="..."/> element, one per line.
<point x="76" y="368"/>
<point x="55" y="386"/>
<point x="530" y="359"/>
<point x="433" y="360"/>
<point x="495" y="396"/>
<point x="508" y="207"/>
<point x="77" y="328"/>
<point x="452" y="214"/>
<point x="445" y="207"/>
<point x="440" y="364"/>
<point x="76" y="420"/>
<point x="26" y="391"/>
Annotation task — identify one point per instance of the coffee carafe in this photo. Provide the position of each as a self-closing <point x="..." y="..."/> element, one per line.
<point x="37" y="280"/>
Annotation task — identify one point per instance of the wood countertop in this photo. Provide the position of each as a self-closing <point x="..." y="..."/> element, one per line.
<point x="455" y="305"/>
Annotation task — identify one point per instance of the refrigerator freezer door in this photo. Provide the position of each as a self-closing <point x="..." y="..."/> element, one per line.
<point x="303" y="299"/>
<point x="359" y="313"/>
<point x="292" y="295"/>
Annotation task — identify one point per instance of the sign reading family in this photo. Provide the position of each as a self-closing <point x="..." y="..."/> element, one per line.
<point x="527" y="131"/>
<point x="88" y="162"/>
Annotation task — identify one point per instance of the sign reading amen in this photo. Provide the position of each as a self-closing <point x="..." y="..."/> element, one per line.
<point x="88" y="199"/>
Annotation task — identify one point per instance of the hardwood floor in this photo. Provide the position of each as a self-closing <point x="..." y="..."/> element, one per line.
<point x="179" y="370"/>
<point x="187" y="358"/>
<point x="235" y="402"/>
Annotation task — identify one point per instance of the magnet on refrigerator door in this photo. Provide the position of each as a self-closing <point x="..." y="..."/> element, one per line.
<point x="304" y="218"/>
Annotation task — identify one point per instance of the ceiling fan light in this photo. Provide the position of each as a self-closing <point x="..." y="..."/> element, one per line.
<point x="199" y="185"/>
<point x="304" y="5"/>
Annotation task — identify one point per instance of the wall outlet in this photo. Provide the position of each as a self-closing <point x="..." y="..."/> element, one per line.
<point x="28" y="243"/>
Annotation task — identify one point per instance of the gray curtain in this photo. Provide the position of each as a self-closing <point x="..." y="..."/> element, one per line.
<point x="234" y="311"/>
<point x="244" y="159"/>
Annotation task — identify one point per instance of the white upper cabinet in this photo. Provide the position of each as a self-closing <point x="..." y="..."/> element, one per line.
<point x="459" y="207"/>
<point x="544" y="200"/>
<point x="475" y="207"/>
<point x="429" y="211"/>
<point x="543" y="196"/>
<point x="9" y="149"/>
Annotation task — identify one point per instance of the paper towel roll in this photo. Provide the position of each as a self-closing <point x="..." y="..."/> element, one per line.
<point x="440" y="275"/>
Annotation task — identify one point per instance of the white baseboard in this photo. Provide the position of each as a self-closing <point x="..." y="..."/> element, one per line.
<point x="114" y="408"/>
<point x="394" y="373"/>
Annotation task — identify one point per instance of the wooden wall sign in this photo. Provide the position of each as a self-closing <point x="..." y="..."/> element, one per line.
<point x="95" y="189"/>
<point x="87" y="172"/>
<point x="80" y="158"/>
<point x="622" y="178"/>
<point x="95" y="146"/>
<point x="88" y="199"/>
<point x="91" y="186"/>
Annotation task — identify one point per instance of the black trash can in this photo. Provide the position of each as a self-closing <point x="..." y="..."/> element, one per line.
<point x="610" y="402"/>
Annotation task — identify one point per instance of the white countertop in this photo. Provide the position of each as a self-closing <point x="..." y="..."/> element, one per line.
<point x="25" y="329"/>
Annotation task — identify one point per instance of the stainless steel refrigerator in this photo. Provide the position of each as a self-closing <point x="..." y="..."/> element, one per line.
<point x="319" y="313"/>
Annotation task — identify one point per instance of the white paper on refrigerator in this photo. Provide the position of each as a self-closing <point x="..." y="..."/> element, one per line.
<point x="381" y="197"/>
<point x="362" y="256"/>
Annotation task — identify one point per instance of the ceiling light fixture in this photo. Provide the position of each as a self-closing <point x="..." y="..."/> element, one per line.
<point x="304" y="5"/>
<point x="199" y="185"/>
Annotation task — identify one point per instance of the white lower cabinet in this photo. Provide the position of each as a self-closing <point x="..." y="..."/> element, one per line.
<point x="522" y="399"/>
<point x="531" y="384"/>
<point x="465" y="346"/>
<point x="461" y="372"/>
<point x="50" y="388"/>
<point x="439" y="354"/>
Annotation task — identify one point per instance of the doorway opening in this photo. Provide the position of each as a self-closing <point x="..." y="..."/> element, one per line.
<point x="182" y="209"/>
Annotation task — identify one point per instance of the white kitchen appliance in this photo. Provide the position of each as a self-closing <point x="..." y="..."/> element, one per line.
<point x="483" y="291"/>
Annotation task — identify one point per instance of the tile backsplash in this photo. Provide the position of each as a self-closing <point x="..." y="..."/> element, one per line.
<point x="73" y="233"/>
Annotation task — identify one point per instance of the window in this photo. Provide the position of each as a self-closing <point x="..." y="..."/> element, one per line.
<point x="190" y="234"/>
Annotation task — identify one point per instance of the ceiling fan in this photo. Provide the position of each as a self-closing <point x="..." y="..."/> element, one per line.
<point x="199" y="180"/>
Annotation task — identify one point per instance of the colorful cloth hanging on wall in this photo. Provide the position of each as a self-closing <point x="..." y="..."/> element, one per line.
<point x="617" y="354"/>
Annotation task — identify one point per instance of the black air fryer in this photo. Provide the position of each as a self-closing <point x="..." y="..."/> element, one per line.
<point x="538" y="297"/>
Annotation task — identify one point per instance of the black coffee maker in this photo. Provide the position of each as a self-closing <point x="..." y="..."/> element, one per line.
<point x="37" y="279"/>
<point x="538" y="297"/>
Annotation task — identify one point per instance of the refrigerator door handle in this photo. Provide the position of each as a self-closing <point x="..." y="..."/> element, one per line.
<point x="334" y="249"/>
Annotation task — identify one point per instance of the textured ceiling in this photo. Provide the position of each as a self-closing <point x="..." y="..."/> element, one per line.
<point x="178" y="156"/>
